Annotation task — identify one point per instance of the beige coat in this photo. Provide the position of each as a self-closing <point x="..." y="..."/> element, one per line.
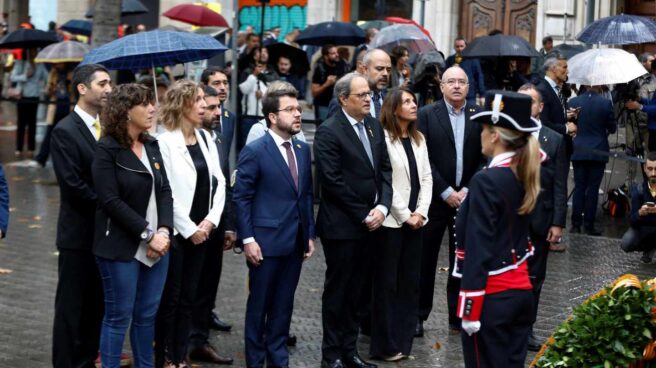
<point x="400" y="213"/>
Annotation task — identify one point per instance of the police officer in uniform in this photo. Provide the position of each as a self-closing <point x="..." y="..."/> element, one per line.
<point x="492" y="236"/>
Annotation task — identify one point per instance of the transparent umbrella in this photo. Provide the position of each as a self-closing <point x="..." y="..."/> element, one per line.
<point x="619" y="30"/>
<point x="407" y="35"/>
<point x="604" y="66"/>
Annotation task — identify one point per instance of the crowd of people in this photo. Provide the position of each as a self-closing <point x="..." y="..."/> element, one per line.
<point x="149" y="201"/>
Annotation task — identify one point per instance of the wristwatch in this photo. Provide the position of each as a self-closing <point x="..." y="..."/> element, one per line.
<point x="147" y="235"/>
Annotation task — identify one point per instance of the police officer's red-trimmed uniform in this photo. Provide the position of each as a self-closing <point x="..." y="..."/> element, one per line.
<point x="492" y="240"/>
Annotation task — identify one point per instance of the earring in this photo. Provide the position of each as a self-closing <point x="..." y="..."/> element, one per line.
<point x="129" y="117"/>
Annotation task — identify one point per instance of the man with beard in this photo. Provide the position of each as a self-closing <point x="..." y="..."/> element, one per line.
<point x="79" y="298"/>
<point x="327" y="71"/>
<point x="454" y="151"/>
<point x="219" y="240"/>
<point x="217" y="78"/>
<point x="274" y="208"/>
<point x="376" y="66"/>
<point x="284" y="70"/>
<point x="642" y="234"/>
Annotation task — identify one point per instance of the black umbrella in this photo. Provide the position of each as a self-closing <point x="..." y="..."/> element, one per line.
<point x="24" y="38"/>
<point x="500" y="46"/>
<point x="298" y="57"/>
<point x="336" y="33"/>
<point x="128" y="7"/>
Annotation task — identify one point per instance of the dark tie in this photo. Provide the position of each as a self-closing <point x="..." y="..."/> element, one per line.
<point x="219" y="127"/>
<point x="291" y="162"/>
<point x="377" y="104"/>
<point x="365" y="142"/>
<point x="561" y="98"/>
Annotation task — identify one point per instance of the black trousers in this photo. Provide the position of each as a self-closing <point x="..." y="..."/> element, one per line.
<point x="26" y="109"/>
<point x="537" y="267"/>
<point x="396" y="291"/>
<point x="79" y="309"/>
<point x="348" y="263"/>
<point x="174" y="317"/>
<point x="207" y="286"/>
<point x="502" y="340"/>
<point x="433" y="233"/>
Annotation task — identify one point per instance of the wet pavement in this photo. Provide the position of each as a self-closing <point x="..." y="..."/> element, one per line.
<point x="27" y="292"/>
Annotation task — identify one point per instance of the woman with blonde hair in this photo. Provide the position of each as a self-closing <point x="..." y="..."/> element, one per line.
<point x="396" y="279"/>
<point x="492" y="232"/>
<point x="198" y="186"/>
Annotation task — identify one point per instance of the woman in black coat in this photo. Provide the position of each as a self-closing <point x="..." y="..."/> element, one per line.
<point x="133" y="224"/>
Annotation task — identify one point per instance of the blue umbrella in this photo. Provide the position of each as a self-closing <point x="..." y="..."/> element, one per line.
<point x="78" y="26"/>
<point x="154" y="48"/>
<point x="336" y="33"/>
<point x="619" y="30"/>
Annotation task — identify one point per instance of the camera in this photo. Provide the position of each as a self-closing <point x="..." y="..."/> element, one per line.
<point x="627" y="91"/>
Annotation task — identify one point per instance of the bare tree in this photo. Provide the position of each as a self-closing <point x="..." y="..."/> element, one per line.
<point x="106" y="19"/>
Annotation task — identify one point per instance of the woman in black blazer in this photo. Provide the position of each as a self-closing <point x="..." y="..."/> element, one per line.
<point x="133" y="224"/>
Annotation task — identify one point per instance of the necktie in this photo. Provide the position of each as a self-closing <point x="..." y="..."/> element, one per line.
<point x="365" y="142"/>
<point x="219" y="127"/>
<point x="96" y="125"/>
<point x="377" y="104"/>
<point x="561" y="97"/>
<point x="291" y="162"/>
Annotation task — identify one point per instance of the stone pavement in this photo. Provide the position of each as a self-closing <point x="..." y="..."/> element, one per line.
<point x="27" y="293"/>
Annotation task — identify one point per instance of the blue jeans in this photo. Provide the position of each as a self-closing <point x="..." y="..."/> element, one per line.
<point x="132" y="292"/>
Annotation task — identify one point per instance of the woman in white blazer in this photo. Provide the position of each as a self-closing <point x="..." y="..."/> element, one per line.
<point x="198" y="187"/>
<point x="396" y="277"/>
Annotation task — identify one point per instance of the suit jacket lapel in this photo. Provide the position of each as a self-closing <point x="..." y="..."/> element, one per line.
<point x="277" y="158"/>
<point x="469" y="111"/>
<point x="350" y="133"/>
<point x="371" y="135"/>
<point x="182" y="148"/>
<point x="298" y="152"/>
<point x="444" y="121"/>
<point x="84" y="130"/>
<point x="400" y="151"/>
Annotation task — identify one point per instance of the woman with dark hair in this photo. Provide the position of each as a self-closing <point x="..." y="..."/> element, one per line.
<point x="199" y="191"/>
<point x="396" y="279"/>
<point x="401" y="70"/>
<point x="492" y="232"/>
<point x="133" y="223"/>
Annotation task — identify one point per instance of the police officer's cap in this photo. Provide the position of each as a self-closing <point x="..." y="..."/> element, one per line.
<point x="509" y="110"/>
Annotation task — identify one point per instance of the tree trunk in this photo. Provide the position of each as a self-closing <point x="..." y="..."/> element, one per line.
<point x="106" y="19"/>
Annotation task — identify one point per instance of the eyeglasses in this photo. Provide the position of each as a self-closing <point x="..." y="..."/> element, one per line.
<point x="453" y="82"/>
<point x="363" y="95"/>
<point x="291" y="109"/>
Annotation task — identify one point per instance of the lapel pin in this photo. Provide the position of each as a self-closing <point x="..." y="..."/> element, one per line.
<point x="156" y="164"/>
<point x="225" y="113"/>
<point x="298" y="145"/>
<point x="233" y="178"/>
<point x="218" y="140"/>
<point x="371" y="133"/>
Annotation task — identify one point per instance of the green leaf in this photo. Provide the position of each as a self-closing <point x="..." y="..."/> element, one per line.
<point x="646" y="333"/>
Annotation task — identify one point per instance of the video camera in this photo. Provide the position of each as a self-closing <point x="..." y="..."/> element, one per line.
<point x="627" y="91"/>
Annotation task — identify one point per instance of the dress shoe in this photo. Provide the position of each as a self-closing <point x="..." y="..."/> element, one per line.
<point x="575" y="229"/>
<point x="419" y="329"/>
<point x="332" y="364"/>
<point x="592" y="231"/>
<point x="454" y="328"/>
<point x="217" y="324"/>
<point x="356" y="362"/>
<point x="648" y="255"/>
<point x="394" y="358"/>
<point x="207" y="353"/>
<point x="533" y="343"/>
<point x="291" y="340"/>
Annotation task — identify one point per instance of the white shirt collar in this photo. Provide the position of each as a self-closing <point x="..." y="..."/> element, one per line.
<point x="551" y="82"/>
<point x="351" y="119"/>
<point x="278" y="139"/>
<point x="452" y="110"/>
<point x="501" y="159"/>
<point x="88" y="119"/>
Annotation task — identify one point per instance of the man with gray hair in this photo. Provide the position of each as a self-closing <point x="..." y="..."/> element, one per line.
<point x="356" y="184"/>
<point x="376" y="66"/>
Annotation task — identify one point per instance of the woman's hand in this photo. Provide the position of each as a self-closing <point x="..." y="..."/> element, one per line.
<point x="199" y="237"/>
<point x="159" y="244"/>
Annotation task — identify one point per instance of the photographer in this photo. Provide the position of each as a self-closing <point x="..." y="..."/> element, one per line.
<point x="642" y="234"/>
<point x="648" y="105"/>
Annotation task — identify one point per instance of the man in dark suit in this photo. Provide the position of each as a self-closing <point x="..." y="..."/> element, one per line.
<point x="595" y="122"/>
<point x="356" y="186"/>
<point x="221" y="239"/>
<point x="216" y="78"/>
<point x="454" y="150"/>
<point x="79" y="298"/>
<point x="550" y="212"/>
<point x="555" y="113"/>
<point x="273" y="202"/>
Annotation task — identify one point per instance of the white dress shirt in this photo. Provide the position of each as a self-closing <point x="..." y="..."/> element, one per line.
<point x="87" y="119"/>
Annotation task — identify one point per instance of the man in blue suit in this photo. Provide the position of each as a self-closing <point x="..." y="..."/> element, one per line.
<point x="273" y="203"/>
<point x="216" y="78"/>
<point x="4" y="204"/>
<point x="596" y="121"/>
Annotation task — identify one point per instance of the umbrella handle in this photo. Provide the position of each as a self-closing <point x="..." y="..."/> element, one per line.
<point x="155" y="85"/>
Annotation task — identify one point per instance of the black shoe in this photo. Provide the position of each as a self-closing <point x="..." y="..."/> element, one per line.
<point x="334" y="364"/>
<point x="217" y="324"/>
<point x="575" y="229"/>
<point x="356" y="362"/>
<point x="419" y="329"/>
<point x="592" y="231"/>
<point x="291" y="340"/>
<point x="647" y="256"/>
<point x="533" y="343"/>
